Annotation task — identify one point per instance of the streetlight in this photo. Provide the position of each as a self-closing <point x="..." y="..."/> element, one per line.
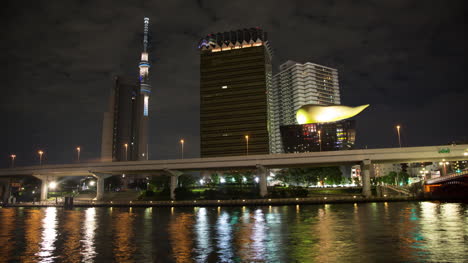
<point x="52" y="185"/>
<point x="126" y="151"/>
<point x="398" y="132"/>
<point x="247" y="144"/>
<point x="13" y="156"/>
<point x="182" y="147"/>
<point x="78" y="150"/>
<point x="40" y="156"/>
<point x="320" y="139"/>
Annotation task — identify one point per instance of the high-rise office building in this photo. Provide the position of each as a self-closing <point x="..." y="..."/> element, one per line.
<point x="125" y="125"/>
<point x="295" y="86"/>
<point x="120" y="126"/>
<point x="235" y="75"/>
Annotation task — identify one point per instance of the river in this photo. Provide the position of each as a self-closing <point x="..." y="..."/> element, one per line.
<point x="365" y="232"/>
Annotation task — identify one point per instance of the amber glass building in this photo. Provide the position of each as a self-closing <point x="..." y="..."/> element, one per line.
<point x="235" y="76"/>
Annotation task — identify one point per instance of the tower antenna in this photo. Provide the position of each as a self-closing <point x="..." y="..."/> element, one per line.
<point x="145" y="34"/>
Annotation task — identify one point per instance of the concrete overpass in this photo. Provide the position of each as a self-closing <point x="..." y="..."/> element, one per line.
<point x="365" y="157"/>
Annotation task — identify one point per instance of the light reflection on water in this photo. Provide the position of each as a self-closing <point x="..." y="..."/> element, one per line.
<point x="32" y="234"/>
<point x="374" y="232"/>
<point x="7" y="231"/>
<point x="123" y="243"/>
<point x="202" y="231"/>
<point x="89" y="227"/>
<point x="49" y="235"/>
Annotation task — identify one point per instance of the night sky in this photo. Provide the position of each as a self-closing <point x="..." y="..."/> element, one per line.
<point x="406" y="58"/>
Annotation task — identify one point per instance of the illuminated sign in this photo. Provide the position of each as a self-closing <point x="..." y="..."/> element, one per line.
<point x="444" y="150"/>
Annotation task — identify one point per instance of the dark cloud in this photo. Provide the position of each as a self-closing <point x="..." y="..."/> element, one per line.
<point x="406" y="58"/>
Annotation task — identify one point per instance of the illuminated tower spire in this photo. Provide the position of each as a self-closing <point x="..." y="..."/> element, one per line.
<point x="144" y="64"/>
<point x="145" y="91"/>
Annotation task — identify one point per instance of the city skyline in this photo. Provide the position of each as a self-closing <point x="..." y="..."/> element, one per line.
<point x="407" y="71"/>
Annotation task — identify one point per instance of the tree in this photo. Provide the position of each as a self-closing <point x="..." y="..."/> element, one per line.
<point x="403" y="178"/>
<point x="186" y="180"/>
<point x="311" y="176"/>
<point x="283" y="176"/>
<point x="390" y="178"/>
<point x="214" y="179"/>
<point x="296" y="176"/>
<point x="332" y="174"/>
<point x="159" y="182"/>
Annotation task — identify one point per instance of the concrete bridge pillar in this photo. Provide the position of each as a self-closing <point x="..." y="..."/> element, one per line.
<point x="45" y="181"/>
<point x="100" y="185"/>
<point x="174" y="174"/>
<point x="366" y="170"/>
<point x="262" y="180"/>
<point x="5" y="189"/>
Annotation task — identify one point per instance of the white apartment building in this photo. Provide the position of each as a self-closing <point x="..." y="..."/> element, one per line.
<point x="294" y="86"/>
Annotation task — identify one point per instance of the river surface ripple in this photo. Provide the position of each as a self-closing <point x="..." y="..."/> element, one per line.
<point x="368" y="232"/>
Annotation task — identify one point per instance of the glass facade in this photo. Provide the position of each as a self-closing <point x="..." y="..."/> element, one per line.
<point x="317" y="137"/>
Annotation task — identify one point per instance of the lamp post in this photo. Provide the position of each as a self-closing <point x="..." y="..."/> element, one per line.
<point x="398" y="132"/>
<point x="40" y="156"/>
<point x="126" y="151"/>
<point x="13" y="157"/>
<point x="320" y="139"/>
<point x="78" y="151"/>
<point x="247" y="144"/>
<point x="182" y="147"/>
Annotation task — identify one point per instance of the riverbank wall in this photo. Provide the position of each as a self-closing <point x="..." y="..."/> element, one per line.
<point x="242" y="202"/>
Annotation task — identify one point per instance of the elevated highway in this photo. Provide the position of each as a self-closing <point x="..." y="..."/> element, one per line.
<point x="365" y="157"/>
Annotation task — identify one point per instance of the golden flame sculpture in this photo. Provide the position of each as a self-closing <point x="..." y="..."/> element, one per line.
<point x="320" y="114"/>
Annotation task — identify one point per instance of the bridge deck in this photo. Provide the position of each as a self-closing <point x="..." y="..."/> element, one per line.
<point x="449" y="177"/>
<point x="384" y="155"/>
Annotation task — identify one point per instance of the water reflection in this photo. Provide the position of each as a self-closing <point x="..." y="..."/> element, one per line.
<point x="123" y="244"/>
<point x="49" y="235"/>
<point x="146" y="243"/>
<point x="202" y="231"/>
<point x="89" y="229"/>
<point x="325" y="233"/>
<point x="258" y="236"/>
<point x="443" y="229"/>
<point x="71" y="246"/>
<point x="7" y="242"/>
<point x="180" y="236"/>
<point x="32" y="229"/>
<point x="224" y="238"/>
<point x="381" y="232"/>
<point x="242" y="235"/>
